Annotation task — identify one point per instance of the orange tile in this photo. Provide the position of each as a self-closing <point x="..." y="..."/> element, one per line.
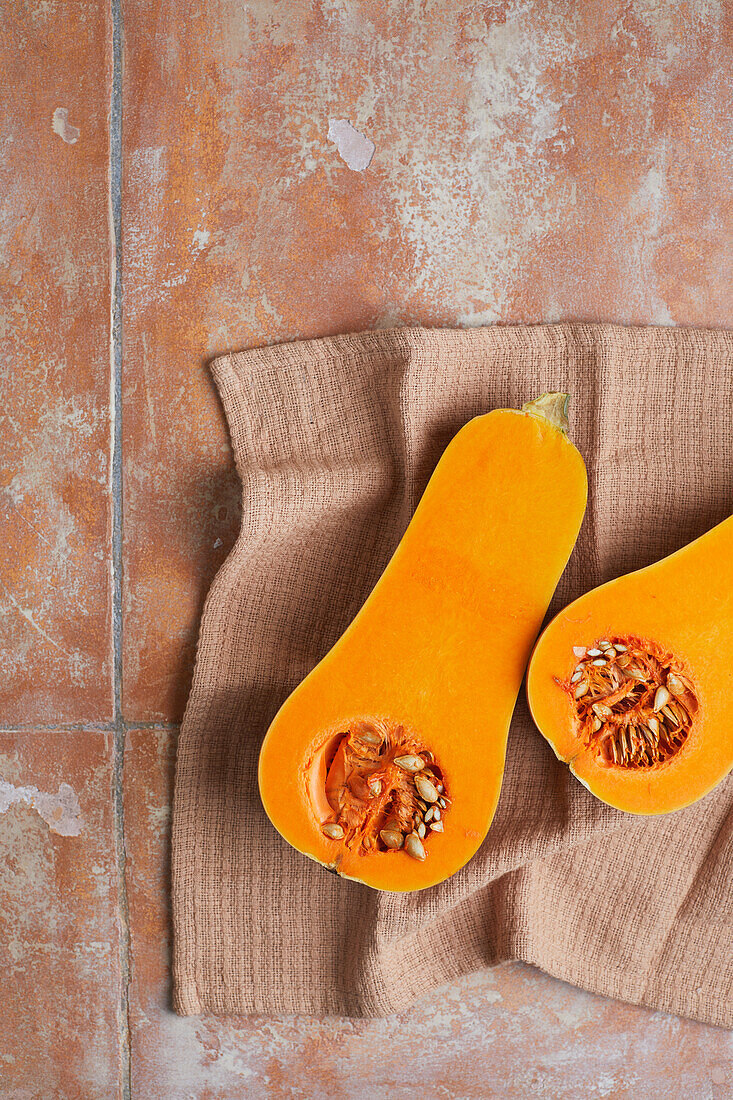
<point x="511" y="1032"/>
<point x="60" y="989"/>
<point x="533" y="162"/>
<point x="54" y="415"/>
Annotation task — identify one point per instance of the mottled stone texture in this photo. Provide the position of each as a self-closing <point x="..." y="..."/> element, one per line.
<point x="59" y="919"/>
<point x="54" y="364"/>
<point x="533" y="161"/>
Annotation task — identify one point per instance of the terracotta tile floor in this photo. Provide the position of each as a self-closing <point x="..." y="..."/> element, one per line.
<point x="169" y="190"/>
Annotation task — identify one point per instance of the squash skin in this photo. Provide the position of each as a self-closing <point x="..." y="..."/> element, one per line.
<point x="685" y="603"/>
<point x="442" y="642"/>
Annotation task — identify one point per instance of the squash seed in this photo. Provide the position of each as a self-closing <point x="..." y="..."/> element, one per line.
<point x="635" y="673"/>
<point x="421" y="830"/>
<point x="661" y="697"/>
<point x="411" y="764"/>
<point x="675" y="685"/>
<point x="426" y="789"/>
<point x="429" y="814"/>
<point x="368" y="737"/>
<point x="392" y="838"/>
<point x="576" y="676"/>
<point x="582" y="689"/>
<point x="414" y="847"/>
<point x="333" y="831"/>
<point x="437" y="827"/>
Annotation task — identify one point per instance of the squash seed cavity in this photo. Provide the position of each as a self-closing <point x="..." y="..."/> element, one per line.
<point x="385" y="789"/>
<point x="634" y="702"/>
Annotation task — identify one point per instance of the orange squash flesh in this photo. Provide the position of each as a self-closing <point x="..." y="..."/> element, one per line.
<point x="440" y="646"/>
<point x="682" y="606"/>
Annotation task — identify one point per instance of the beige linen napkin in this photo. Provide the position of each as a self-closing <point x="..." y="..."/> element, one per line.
<point x="335" y="440"/>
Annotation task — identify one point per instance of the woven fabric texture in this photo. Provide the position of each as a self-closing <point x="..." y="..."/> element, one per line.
<point x="334" y="440"/>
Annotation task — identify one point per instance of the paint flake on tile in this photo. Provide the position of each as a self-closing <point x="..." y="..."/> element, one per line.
<point x="354" y="148"/>
<point x="61" y="126"/>
<point x="61" y="812"/>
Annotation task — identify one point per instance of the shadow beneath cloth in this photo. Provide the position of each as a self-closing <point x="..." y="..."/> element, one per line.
<point x="212" y="509"/>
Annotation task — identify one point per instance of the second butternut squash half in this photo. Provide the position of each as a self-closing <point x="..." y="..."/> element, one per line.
<point x="630" y="684"/>
<point x="386" y="763"/>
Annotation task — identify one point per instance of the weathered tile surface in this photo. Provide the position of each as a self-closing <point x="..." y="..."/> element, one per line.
<point x="511" y="1033"/>
<point x="54" y="364"/>
<point x="59" y="936"/>
<point x="533" y="161"/>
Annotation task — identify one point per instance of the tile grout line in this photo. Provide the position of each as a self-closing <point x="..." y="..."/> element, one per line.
<point x="118" y="730"/>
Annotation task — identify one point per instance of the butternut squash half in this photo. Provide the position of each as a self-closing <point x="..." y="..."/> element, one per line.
<point x="385" y="764"/>
<point x="631" y="684"/>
